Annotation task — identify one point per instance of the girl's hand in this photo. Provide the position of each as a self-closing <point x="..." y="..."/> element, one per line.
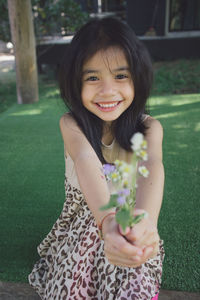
<point x="118" y="250"/>
<point x="143" y="235"/>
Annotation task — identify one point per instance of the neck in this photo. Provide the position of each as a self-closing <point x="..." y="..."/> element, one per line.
<point x="107" y="137"/>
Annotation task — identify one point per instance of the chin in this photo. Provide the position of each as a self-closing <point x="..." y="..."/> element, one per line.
<point x="109" y="117"/>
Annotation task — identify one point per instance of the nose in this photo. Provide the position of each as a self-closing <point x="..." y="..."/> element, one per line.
<point x="107" y="88"/>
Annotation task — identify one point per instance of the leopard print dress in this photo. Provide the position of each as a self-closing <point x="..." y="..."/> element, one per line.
<point x="73" y="265"/>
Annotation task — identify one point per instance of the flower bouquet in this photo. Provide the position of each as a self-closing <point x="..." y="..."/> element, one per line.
<point x="123" y="180"/>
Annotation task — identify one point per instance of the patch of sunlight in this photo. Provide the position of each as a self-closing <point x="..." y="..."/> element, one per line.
<point x="187" y="99"/>
<point x="180" y="126"/>
<point x="5" y="70"/>
<point x="169" y="115"/>
<point x="173" y="114"/>
<point x="172" y="153"/>
<point x="53" y="93"/>
<point x="27" y="112"/>
<point x="182" y="146"/>
<point x="174" y="100"/>
<point x="158" y="100"/>
<point x="7" y="58"/>
<point x="197" y="127"/>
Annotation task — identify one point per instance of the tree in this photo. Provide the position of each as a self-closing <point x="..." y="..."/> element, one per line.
<point x="4" y="22"/>
<point x="59" y="17"/>
<point x="23" y="39"/>
<point x="51" y="17"/>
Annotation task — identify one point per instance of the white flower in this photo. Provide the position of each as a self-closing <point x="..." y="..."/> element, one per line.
<point x="118" y="163"/>
<point x="125" y="182"/>
<point x="126" y="168"/>
<point x="137" y="140"/>
<point x="143" y="155"/>
<point x="115" y="176"/>
<point x="143" y="171"/>
<point x="144" y="144"/>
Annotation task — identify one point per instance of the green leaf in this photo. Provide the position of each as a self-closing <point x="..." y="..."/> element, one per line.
<point x="112" y="203"/>
<point x="123" y="217"/>
<point x="138" y="218"/>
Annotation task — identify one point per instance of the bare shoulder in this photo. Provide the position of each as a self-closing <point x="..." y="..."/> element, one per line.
<point x="67" y="121"/>
<point x="154" y="138"/>
<point x="154" y="128"/>
<point x="74" y="139"/>
<point x="69" y="127"/>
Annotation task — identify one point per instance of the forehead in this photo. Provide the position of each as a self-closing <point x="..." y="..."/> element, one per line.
<point x="112" y="58"/>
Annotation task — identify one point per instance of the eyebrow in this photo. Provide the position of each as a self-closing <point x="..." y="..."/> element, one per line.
<point x="123" y="68"/>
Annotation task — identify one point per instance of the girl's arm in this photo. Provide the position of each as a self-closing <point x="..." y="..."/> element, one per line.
<point x="149" y="194"/>
<point x="87" y="165"/>
<point x="150" y="190"/>
<point x="95" y="189"/>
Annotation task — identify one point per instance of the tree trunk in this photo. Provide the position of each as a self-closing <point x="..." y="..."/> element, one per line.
<point x="23" y="38"/>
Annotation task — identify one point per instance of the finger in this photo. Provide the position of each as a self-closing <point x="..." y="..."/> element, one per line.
<point x="121" y="245"/>
<point x="137" y="231"/>
<point x="148" y="239"/>
<point x="111" y="251"/>
<point x="148" y="251"/>
<point x="128" y="229"/>
<point x="155" y="251"/>
<point x="122" y="232"/>
<point x="127" y="260"/>
<point x="143" y="233"/>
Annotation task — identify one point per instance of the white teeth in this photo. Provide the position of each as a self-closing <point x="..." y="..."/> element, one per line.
<point x="108" y="105"/>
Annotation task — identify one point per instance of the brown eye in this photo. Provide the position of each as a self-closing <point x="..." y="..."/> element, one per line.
<point x="121" y="76"/>
<point x="92" y="78"/>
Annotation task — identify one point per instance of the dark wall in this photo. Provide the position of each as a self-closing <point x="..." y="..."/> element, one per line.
<point x="173" y="48"/>
<point x="160" y="49"/>
<point x="143" y="14"/>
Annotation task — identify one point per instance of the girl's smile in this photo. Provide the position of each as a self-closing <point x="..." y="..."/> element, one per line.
<point x="107" y="86"/>
<point x="108" y="106"/>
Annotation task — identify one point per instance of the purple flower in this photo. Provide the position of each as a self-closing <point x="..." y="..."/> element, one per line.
<point x="107" y="169"/>
<point x="125" y="192"/>
<point x="121" y="200"/>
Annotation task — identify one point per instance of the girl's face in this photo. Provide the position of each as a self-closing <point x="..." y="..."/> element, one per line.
<point x="107" y="86"/>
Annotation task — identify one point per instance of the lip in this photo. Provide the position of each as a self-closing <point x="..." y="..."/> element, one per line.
<point x="107" y="109"/>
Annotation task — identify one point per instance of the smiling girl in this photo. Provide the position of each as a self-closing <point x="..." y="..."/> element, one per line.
<point x="105" y="81"/>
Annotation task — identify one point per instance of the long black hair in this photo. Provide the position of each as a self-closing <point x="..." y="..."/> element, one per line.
<point x="100" y="34"/>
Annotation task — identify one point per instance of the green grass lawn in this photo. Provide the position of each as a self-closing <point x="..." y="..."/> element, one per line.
<point x="180" y="215"/>
<point x="32" y="184"/>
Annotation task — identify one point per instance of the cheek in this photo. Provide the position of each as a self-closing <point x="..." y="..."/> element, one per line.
<point x="132" y="91"/>
<point x="83" y="94"/>
<point x="129" y="92"/>
<point x="132" y="86"/>
<point x="87" y="93"/>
